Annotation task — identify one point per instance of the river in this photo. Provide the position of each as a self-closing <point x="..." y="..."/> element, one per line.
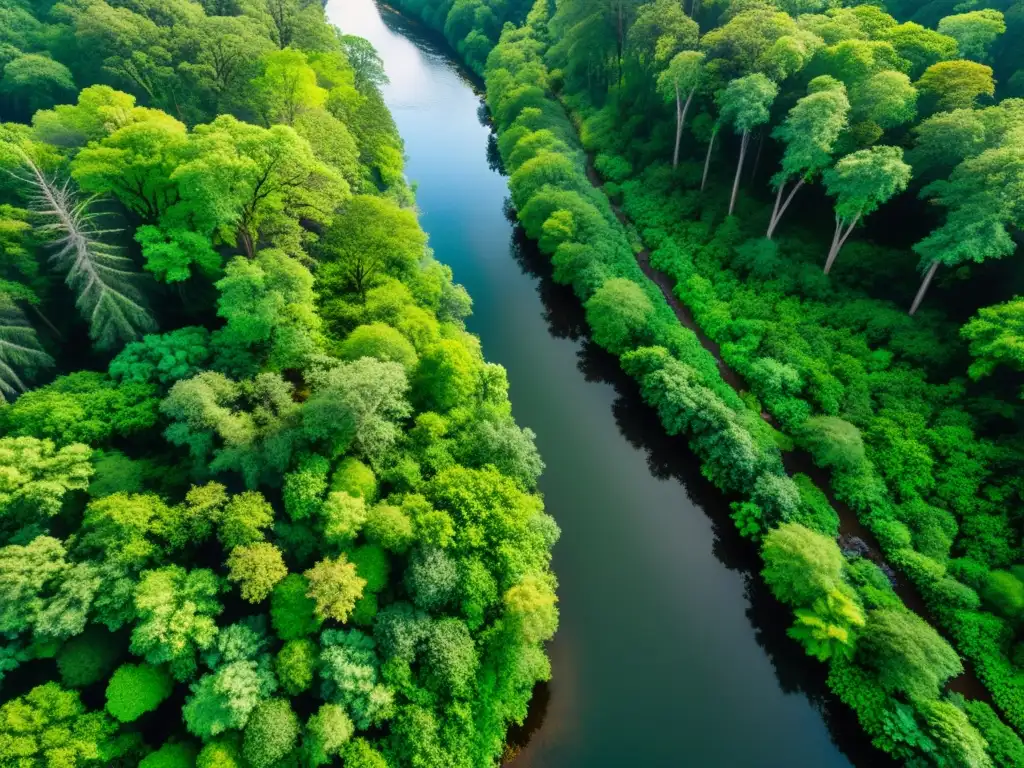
<point x="670" y="651"/>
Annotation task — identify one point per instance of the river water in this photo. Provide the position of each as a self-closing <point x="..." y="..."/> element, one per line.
<point x="670" y="652"/>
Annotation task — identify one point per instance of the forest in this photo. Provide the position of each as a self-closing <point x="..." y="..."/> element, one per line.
<point x="834" y="192"/>
<point x="262" y="499"/>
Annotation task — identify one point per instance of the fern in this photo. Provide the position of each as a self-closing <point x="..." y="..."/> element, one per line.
<point x="20" y="351"/>
<point x="103" y="280"/>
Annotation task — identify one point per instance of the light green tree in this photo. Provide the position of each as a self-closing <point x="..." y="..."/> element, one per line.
<point x="744" y="104"/>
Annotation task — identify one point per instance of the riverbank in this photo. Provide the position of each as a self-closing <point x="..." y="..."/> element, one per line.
<point x="526" y="99"/>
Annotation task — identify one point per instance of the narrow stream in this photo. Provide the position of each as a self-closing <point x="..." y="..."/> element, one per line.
<point x="670" y="652"/>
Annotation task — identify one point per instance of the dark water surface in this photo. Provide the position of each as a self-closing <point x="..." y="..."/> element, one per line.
<point x="669" y="651"/>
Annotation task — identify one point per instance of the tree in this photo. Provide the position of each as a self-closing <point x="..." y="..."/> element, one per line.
<point x="982" y="196"/>
<point x="449" y="657"/>
<point x="252" y="186"/>
<point x="163" y="359"/>
<point x="619" y="315"/>
<point x="257" y="568"/>
<point x="173" y="754"/>
<point x="974" y="32"/>
<point x="292" y="612"/>
<point x="957" y="84"/>
<point x="861" y="182"/>
<point x="446" y="376"/>
<point x="810" y="132"/>
<point x="350" y="670"/>
<point x="225" y="698"/>
<point x="335" y="587"/>
<point x="745" y="104"/>
<point x="34" y="81"/>
<point x="372" y="237"/>
<point x="228" y="53"/>
<point x="136" y="689"/>
<point x="326" y="734"/>
<point x="49" y="726"/>
<point x="270" y="734"/>
<point x="268" y="302"/>
<point x="28" y="573"/>
<point x="295" y="664"/>
<point x="135" y="164"/>
<point x="826" y="629"/>
<point x="176" y="609"/>
<point x="21" y="354"/>
<point x="882" y="102"/>
<point x="104" y="281"/>
<point x="379" y="341"/>
<point x="366" y="63"/>
<point x="343" y="516"/>
<point x="359" y="404"/>
<point x="801" y="566"/>
<point x="683" y="75"/>
<point x="87" y="658"/>
<point x="909" y="656"/>
<point x="919" y="46"/>
<point x="38" y="476"/>
<point x="996" y="336"/>
<point x="287" y="88"/>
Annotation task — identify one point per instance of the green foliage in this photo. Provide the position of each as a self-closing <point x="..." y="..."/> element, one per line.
<point x="136" y="689"/>
<point x="291" y="611"/>
<point x="50" y="727"/>
<point x="334" y="587"/>
<point x="257" y="568"/>
<point x="87" y="658"/>
<point x="910" y="656"/>
<point x="270" y="734"/>
<point x="295" y="665"/>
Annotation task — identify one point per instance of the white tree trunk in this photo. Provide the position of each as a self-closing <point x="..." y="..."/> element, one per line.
<point x="679" y="127"/>
<point x="779" y="210"/>
<point x="924" y="287"/>
<point x="839" y="241"/>
<point x="707" y="160"/>
<point x="739" y="171"/>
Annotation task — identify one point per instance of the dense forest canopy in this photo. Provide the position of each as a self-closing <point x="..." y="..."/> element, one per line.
<point x="262" y="500"/>
<point x="836" y="191"/>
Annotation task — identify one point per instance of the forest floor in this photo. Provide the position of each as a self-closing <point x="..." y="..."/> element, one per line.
<point x="967" y="684"/>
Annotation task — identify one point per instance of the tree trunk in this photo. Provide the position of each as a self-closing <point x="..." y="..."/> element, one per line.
<point x="739" y="170"/>
<point x="838" y="242"/>
<point x="757" y="157"/>
<point x="777" y="213"/>
<point x="707" y="160"/>
<point x="679" y="128"/>
<point x="46" y="320"/>
<point x="924" y="287"/>
<point x="681" y="121"/>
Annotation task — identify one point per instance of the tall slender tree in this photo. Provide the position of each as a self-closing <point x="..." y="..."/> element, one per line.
<point x="745" y="103"/>
<point x="683" y="75"/>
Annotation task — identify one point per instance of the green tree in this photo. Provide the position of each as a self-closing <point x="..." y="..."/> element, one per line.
<point x="176" y="610"/>
<point x="381" y="342"/>
<point x="372" y="237"/>
<point x="136" y="689"/>
<point x="287" y="88"/>
<point x="996" y="336"/>
<point x="225" y="698"/>
<point x="88" y="658"/>
<point x="326" y="734"/>
<point x="682" y="75"/>
<point x="335" y="587"/>
<point x="909" y="656"/>
<point x="135" y="164"/>
<point x="257" y="568"/>
<point x="251" y="186"/>
<point x="619" y="315"/>
<point x="446" y="376"/>
<point x="50" y="727"/>
<point x="810" y="132"/>
<point x="974" y="32"/>
<point x="270" y="734"/>
<point x="861" y="182"/>
<point x="957" y="84"/>
<point x="744" y="104"/>
<point x="292" y="612"/>
<point x="295" y="664"/>
<point x="919" y="46"/>
<point x="38" y="476"/>
<point x="33" y="81"/>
